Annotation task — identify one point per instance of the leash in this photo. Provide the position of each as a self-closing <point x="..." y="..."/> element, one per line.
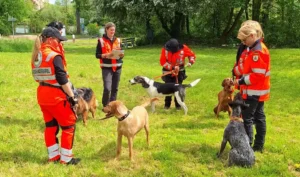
<point x="174" y="72"/>
<point x="110" y="116"/>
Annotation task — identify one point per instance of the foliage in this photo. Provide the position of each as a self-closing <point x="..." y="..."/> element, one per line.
<point x="18" y="9"/>
<point x="179" y="145"/>
<point x="93" y="29"/>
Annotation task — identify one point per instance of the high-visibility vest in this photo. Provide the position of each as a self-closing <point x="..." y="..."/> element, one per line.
<point x="43" y="71"/>
<point x="254" y="67"/>
<point x="106" y="47"/>
<point x="168" y="60"/>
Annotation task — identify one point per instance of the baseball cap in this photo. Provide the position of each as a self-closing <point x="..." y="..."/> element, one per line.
<point x="55" y="24"/>
<point x="173" y="45"/>
<point x="53" y="32"/>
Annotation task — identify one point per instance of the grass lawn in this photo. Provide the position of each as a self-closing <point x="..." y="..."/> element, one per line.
<point x="179" y="145"/>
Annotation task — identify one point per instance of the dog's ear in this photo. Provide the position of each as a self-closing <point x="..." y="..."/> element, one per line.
<point x="121" y="109"/>
<point x="223" y="83"/>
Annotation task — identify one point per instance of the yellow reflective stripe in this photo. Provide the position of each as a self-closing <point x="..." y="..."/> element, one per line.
<point x="258" y="70"/>
<point x="51" y="54"/>
<point x="256" y="92"/>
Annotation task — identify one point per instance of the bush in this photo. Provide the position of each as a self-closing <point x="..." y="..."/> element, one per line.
<point x="93" y="29"/>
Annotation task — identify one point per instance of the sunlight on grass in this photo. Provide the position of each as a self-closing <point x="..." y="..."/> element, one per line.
<point x="179" y="145"/>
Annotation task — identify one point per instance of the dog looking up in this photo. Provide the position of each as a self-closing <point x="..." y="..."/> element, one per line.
<point x="241" y="153"/>
<point x="87" y="102"/>
<point x="224" y="97"/>
<point x="129" y="124"/>
<point x="156" y="89"/>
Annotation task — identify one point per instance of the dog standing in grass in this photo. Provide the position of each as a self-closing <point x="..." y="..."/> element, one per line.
<point x="241" y="153"/>
<point x="87" y="102"/>
<point x="225" y="96"/>
<point x="129" y="122"/>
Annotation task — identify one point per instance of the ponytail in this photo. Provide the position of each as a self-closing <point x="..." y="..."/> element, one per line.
<point x="36" y="48"/>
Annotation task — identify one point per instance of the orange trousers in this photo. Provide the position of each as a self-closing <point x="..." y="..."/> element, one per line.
<point x="55" y="116"/>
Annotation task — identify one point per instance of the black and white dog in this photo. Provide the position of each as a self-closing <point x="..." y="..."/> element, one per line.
<point x="156" y="89"/>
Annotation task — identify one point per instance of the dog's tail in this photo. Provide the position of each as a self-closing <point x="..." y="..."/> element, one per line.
<point x="148" y="102"/>
<point x="192" y="84"/>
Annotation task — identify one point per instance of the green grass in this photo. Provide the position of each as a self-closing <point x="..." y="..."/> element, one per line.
<point x="179" y="145"/>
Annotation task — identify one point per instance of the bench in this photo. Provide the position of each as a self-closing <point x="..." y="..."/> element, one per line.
<point x="128" y="42"/>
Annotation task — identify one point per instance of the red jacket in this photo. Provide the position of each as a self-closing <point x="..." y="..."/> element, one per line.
<point x="253" y="69"/>
<point x="169" y="60"/>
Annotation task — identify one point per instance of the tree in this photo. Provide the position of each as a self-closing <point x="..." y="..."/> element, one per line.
<point x="80" y="5"/>
<point x="16" y="8"/>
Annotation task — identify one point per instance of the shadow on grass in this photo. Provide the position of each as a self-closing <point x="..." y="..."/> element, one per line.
<point x="107" y="152"/>
<point x="195" y="124"/>
<point x="20" y="157"/>
<point x="11" y="121"/>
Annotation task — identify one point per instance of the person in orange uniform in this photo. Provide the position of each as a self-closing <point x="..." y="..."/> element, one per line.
<point x="174" y="54"/>
<point x="54" y="95"/>
<point x="111" y="67"/>
<point x="253" y="71"/>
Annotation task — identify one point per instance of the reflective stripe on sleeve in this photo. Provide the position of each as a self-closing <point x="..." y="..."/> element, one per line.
<point x="247" y="79"/>
<point x="50" y="55"/>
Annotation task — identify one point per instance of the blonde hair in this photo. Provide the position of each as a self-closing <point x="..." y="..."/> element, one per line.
<point x="36" y="48"/>
<point x="250" y="27"/>
<point x="109" y="25"/>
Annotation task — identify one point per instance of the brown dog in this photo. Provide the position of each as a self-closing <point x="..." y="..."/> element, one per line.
<point x="129" y="124"/>
<point x="224" y="97"/>
<point x="87" y="102"/>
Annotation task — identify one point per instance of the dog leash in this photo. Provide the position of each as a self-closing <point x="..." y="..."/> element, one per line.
<point x="173" y="72"/>
<point x="106" y="117"/>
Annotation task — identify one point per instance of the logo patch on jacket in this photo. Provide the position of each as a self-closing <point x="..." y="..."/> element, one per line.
<point x="255" y="58"/>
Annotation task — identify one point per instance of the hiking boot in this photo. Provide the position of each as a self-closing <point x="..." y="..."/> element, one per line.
<point x="73" y="161"/>
<point x="258" y="149"/>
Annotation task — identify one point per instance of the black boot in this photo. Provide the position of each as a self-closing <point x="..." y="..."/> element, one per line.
<point x="74" y="161"/>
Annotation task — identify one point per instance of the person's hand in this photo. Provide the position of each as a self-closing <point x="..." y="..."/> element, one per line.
<point x="189" y="65"/>
<point x="109" y="55"/>
<point x="121" y="55"/>
<point x="73" y="101"/>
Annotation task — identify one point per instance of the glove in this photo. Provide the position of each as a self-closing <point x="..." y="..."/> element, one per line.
<point x="73" y="101"/>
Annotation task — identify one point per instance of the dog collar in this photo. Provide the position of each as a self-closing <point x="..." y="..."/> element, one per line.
<point x="125" y="116"/>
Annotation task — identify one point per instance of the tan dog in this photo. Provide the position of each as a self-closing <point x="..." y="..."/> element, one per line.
<point x="224" y="97"/>
<point x="129" y="124"/>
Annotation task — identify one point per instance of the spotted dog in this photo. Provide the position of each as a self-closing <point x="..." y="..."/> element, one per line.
<point x="157" y="89"/>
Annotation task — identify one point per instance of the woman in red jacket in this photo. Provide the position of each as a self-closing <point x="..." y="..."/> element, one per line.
<point x="253" y="71"/>
<point x="54" y="95"/>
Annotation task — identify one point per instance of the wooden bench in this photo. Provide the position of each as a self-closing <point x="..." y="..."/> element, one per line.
<point x="128" y="42"/>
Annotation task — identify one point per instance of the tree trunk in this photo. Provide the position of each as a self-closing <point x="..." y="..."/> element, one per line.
<point x="256" y="10"/>
<point x="78" y="21"/>
<point x="228" y="30"/>
<point x="187" y="23"/>
<point x="266" y="5"/>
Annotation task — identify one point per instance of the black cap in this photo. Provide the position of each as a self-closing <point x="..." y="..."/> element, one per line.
<point x="173" y="45"/>
<point x="55" y="24"/>
<point x="53" y="32"/>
